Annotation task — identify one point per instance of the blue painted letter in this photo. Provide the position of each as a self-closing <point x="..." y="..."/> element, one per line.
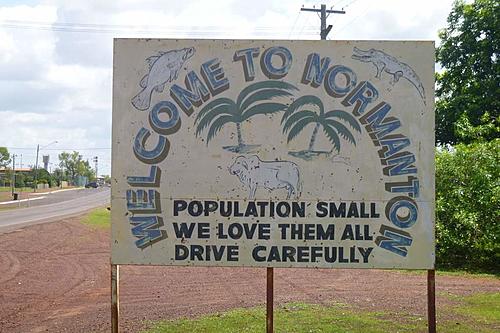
<point x="362" y="95"/>
<point x="315" y="70"/>
<point x="394" y="240"/>
<point x="246" y="56"/>
<point x="146" y="228"/>
<point x="155" y="155"/>
<point x="269" y="69"/>
<point x="214" y="76"/>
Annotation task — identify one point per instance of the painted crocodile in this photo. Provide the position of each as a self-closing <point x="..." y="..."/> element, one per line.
<point x="389" y="64"/>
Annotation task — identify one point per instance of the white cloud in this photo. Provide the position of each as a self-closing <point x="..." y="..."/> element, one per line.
<point x="56" y="85"/>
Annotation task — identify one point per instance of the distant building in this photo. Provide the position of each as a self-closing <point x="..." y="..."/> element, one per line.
<point x="46" y="162"/>
<point x="5" y="174"/>
<point x="4" y="170"/>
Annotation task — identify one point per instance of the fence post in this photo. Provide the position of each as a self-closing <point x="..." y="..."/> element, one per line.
<point x="115" y="302"/>
<point x="431" y="300"/>
<point x="270" y="301"/>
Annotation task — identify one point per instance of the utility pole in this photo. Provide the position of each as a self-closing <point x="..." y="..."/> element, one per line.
<point x="323" y="11"/>
<point x="13" y="181"/>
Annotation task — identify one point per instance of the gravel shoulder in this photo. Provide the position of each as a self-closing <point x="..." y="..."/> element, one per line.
<point x="55" y="277"/>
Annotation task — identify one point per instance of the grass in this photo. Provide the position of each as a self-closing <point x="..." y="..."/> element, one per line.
<point x="469" y="274"/>
<point x="293" y="317"/>
<point x="98" y="218"/>
<point x="476" y="313"/>
<point x="17" y="189"/>
<point x="485" y="307"/>
<point x="458" y="272"/>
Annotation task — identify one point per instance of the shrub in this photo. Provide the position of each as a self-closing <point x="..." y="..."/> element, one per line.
<point x="468" y="206"/>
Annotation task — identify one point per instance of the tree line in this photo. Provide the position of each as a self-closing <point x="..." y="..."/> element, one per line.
<point x="467" y="138"/>
<point x="70" y="167"/>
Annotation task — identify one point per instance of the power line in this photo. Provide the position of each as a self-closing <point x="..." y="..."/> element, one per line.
<point x="138" y="29"/>
<point x="30" y="148"/>
<point x="303" y="26"/>
<point x="350" y="3"/>
<point x="132" y="27"/>
<point x="356" y="17"/>
<point x="294" y="23"/>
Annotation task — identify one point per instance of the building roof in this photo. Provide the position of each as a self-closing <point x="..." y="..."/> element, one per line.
<point x="3" y="169"/>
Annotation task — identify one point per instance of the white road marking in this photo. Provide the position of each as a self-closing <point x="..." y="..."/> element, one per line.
<point x="22" y="200"/>
<point x="57" y="191"/>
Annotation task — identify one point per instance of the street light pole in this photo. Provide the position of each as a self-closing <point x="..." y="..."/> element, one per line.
<point x="13" y="181"/>
<point x="36" y="163"/>
<point x="35" y="185"/>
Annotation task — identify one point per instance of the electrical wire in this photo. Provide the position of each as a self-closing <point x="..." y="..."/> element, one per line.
<point x="88" y="148"/>
<point x="367" y="8"/>
<point x="139" y="29"/>
<point x="294" y="23"/>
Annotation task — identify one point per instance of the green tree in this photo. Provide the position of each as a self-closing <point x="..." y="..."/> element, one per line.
<point x="252" y="100"/>
<point x="4" y="157"/>
<point x="20" y="180"/>
<point x="300" y="114"/>
<point x="74" y="165"/>
<point x="468" y="206"/>
<point x="43" y="176"/>
<point x="468" y="105"/>
<point x="58" y="176"/>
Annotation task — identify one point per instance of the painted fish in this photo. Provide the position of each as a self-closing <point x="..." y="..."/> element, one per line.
<point x="163" y="67"/>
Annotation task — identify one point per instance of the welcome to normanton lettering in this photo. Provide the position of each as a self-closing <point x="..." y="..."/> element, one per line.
<point x="259" y="219"/>
<point x="316" y="73"/>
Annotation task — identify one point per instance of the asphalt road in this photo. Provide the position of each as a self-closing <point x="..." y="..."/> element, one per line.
<point x="81" y="201"/>
<point x="44" y="198"/>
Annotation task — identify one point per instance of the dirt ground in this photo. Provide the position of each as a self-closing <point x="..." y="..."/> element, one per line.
<point x="55" y="278"/>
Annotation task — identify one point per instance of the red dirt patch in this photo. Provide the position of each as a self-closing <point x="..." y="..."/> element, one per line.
<point x="55" y="277"/>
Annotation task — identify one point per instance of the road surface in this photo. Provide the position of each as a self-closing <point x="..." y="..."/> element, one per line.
<point x="31" y="199"/>
<point x="16" y="218"/>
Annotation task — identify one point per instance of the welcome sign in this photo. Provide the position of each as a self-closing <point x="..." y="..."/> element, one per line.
<point x="273" y="153"/>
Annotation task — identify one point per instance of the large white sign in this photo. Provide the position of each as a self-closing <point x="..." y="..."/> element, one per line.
<point x="273" y="153"/>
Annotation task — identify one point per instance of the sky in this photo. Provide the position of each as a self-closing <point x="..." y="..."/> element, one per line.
<point x="56" y="55"/>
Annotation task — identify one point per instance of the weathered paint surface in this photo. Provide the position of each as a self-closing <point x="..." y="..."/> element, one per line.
<point x="273" y="153"/>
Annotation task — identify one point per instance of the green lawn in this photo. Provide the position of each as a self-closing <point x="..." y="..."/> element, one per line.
<point x="483" y="306"/>
<point x="477" y="313"/>
<point x="17" y="189"/>
<point x="98" y="218"/>
<point x="458" y="272"/>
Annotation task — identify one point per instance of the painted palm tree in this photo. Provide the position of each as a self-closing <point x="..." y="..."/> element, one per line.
<point x="304" y="111"/>
<point x="255" y="99"/>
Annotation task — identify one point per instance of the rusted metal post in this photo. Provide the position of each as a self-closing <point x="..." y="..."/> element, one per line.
<point x="270" y="301"/>
<point x="115" y="292"/>
<point x="431" y="300"/>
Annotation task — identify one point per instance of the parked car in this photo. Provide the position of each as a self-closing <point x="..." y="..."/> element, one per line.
<point x="91" y="184"/>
